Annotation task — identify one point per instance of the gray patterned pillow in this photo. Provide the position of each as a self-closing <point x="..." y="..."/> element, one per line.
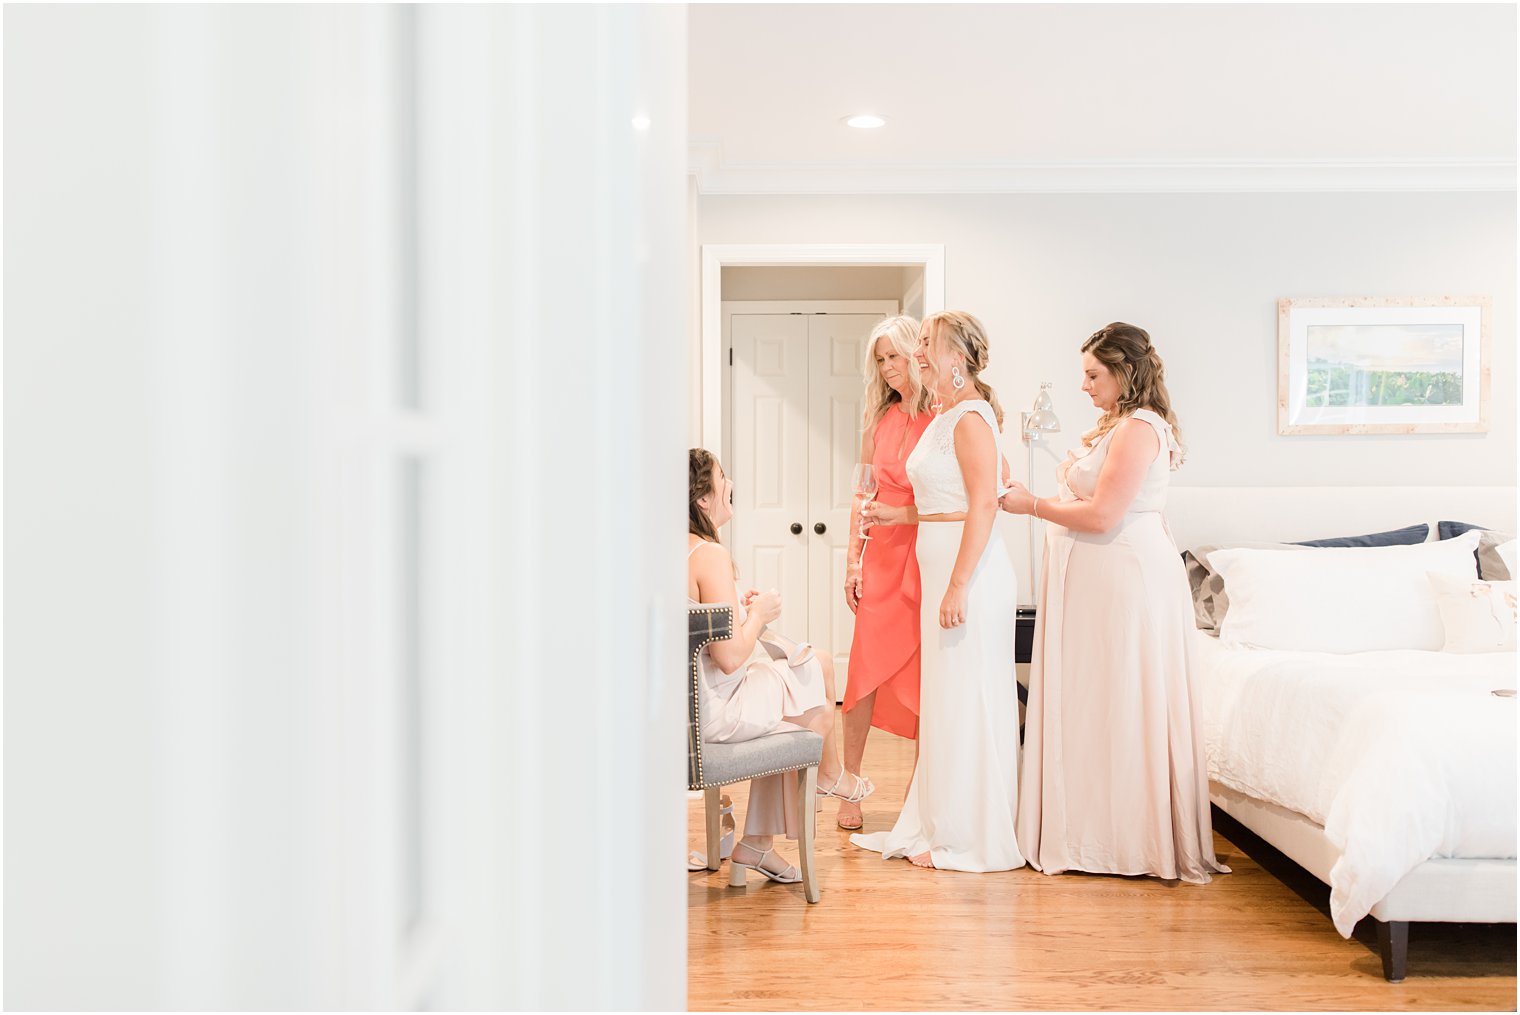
<point x="1209" y="599"/>
<point x="1491" y="567"/>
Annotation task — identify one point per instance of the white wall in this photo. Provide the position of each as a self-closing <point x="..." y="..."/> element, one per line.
<point x="1202" y="273"/>
<point x="222" y="790"/>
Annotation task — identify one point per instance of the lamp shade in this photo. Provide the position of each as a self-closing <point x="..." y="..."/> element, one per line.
<point x="1043" y="418"/>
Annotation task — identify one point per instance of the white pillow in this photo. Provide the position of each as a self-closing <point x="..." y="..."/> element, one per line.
<point x="1340" y="599"/>
<point x="1479" y="616"/>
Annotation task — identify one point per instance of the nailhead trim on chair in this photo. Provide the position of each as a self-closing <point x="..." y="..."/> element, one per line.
<point x="721" y="630"/>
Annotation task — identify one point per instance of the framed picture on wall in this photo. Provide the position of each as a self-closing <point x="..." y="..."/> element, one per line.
<point x="1370" y="365"/>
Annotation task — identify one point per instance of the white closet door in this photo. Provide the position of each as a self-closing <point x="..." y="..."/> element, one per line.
<point x="770" y="445"/>
<point x="835" y="346"/>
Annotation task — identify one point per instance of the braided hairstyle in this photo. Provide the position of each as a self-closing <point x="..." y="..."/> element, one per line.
<point x="1129" y="355"/>
<point x="700" y="464"/>
<point x="965" y="334"/>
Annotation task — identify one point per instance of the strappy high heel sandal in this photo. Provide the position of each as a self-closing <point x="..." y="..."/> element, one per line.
<point x="736" y="870"/>
<point x="863" y="788"/>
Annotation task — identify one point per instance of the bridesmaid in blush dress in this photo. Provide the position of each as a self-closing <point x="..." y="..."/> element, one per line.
<point x="1114" y="779"/>
<point x="755" y="683"/>
<point x="881" y="586"/>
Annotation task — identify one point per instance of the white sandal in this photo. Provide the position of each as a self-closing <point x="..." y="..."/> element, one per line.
<point x="736" y="871"/>
<point x="863" y="788"/>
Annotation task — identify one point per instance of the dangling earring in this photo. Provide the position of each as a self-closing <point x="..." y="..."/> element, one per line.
<point x="956" y="380"/>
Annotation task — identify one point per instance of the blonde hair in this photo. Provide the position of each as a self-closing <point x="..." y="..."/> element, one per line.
<point x="902" y="332"/>
<point x="966" y="335"/>
<point x="1128" y="354"/>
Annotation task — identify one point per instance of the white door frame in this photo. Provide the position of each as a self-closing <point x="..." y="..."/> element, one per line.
<point x="717" y="256"/>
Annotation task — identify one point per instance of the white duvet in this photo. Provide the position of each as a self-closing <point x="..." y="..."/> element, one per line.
<point x="1401" y="756"/>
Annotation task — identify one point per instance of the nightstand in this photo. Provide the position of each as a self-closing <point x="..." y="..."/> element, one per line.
<point x="1023" y="648"/>
<point x="1023" y="637"/>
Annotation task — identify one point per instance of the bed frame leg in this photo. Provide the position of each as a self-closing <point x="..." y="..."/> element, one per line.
<point x="1393" y="942"/>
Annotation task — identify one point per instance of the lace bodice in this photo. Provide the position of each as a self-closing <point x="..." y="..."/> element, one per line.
<point x="1078" y="475"/>
<point x="938" y="487"/>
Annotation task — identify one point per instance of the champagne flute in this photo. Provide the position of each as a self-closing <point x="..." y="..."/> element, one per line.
<point x="865" y="492"/>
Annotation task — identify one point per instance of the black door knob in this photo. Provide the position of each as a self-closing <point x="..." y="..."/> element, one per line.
<point x="796" y="528"/>
<point x="820" y="528"/>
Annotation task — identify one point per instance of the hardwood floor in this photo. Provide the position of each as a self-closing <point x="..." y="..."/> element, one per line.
<point x="890" y="936"/>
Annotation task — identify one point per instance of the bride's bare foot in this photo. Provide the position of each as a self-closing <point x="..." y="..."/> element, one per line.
<point x="922" y="860"/>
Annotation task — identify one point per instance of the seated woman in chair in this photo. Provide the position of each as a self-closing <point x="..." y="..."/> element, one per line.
<point x="748" y="687"/>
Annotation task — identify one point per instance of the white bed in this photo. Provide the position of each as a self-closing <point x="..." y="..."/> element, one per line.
<point x="1390" y="776"/>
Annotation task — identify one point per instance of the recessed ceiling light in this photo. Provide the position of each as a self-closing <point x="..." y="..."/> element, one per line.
<point x="641" y="122"/>
<point x="866" y="121"/>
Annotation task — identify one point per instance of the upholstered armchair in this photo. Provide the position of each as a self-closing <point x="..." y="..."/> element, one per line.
<point x="712" y="766"/>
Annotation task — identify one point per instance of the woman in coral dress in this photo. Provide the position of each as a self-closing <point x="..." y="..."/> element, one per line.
<point x="881" y="585"/>
<point x="1114" y="780"/>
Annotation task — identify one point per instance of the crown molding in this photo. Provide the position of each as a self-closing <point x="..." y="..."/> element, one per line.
<point x="1218" y="176"/>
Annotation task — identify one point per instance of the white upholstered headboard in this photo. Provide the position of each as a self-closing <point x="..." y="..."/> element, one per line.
<point x="1201" y="515"/>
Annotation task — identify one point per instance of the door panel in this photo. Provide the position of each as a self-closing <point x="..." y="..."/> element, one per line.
<point x="769" y="427"/>
<point x="836" y="343"/>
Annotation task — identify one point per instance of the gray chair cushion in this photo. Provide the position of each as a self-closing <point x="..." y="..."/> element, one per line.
<point x="778" y="752"/>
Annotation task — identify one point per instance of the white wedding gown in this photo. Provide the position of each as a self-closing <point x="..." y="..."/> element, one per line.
<point x="962" y="801"/>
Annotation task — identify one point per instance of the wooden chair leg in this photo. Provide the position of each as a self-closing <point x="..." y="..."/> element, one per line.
<point x="714" y="832"/>
<point x="807" y="789"/>
<point x="1393" y="943"/>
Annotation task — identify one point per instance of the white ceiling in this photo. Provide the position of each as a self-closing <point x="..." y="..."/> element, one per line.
<point x="1090" y="96"/>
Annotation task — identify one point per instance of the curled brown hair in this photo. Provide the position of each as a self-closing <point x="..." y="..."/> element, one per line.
<point x="966" y="335"/>
<point x="700" y="464"/>
<point x="1128" y="354"/>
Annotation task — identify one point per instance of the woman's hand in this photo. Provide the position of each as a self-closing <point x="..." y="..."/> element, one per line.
<point x="765" y="605"/>
<point x="874" y="513"/>
<point x="854" y="583"/>
<point x="952" y="609"/>
<point x="1018" y="500"/>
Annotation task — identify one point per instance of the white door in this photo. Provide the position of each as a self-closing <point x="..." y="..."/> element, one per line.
<point x="795" y="437"/>
<point x="770" y="441"/>
<point x="834" y="392"/>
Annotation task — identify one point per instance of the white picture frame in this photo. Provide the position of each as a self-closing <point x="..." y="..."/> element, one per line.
<point x="1383" y="365"/>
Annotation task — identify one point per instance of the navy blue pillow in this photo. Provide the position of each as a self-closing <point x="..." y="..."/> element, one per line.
<point x="1395" y="537"/>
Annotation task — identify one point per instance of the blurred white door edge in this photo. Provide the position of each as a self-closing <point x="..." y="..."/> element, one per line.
<point x="344" y="412"/>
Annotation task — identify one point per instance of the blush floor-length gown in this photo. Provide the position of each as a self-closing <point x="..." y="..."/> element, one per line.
<point x="1114" y="778"/>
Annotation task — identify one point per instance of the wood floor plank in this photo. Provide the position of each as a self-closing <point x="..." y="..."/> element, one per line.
<point x="890" y="936"/>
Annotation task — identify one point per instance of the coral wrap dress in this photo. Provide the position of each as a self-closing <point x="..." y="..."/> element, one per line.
<point x="884" y="655"/>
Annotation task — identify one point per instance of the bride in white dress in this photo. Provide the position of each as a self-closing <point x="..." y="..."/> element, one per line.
<point x="959" y="812"/>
